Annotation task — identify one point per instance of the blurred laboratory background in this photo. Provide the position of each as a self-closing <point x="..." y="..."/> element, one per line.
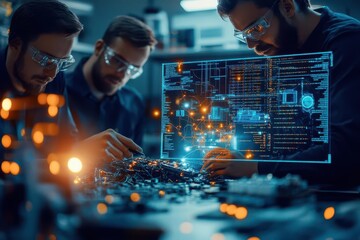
<point x="187" y="30"/>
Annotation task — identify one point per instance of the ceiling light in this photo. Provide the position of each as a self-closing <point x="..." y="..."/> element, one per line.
<point x="198" y="5"/>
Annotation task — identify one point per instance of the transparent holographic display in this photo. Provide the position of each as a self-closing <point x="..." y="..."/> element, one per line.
<point x="265" y="108"/>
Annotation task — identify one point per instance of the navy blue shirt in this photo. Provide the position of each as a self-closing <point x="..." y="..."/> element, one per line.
<point x="123" y="111"/>
<point x="340" y="34"/>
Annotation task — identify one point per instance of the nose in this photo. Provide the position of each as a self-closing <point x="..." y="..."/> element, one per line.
<point x="251" y="43"/>
<point x="51" y="72"/>
<point x="121" y="74"/>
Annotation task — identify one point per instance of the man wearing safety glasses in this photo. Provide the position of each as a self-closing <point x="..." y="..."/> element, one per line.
<point x="98" y="97"/>
<point x="273" y="27"/>
<point x="41" y="36"/>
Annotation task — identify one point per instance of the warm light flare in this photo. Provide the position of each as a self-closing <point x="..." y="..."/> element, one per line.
<point x="38" y="137"/>
<point x="54" y="167"/>
<point x="14" y="168"/>
<point x="329" y="213"/>
<point x="109" y="199"/>
<point x="53" y="111"/>
<point x="223" y="207"/>
<point x="241" y="213"/>
<point x="161" y="193"/>
<point x="102" y="208"/>
<point x="218" y="236"/>
<point x="135" y="197"/>
<point x="75" y="165"/>
<point x="4" y="114"/>
<point x="231" y="209"/>
<point x="253" y="238"/>
<point x="6" y="141"/>
<point x="42" y="98"/>
<point x="156" y="113"/>
<point x="6" y="104"/>
<point x="53" y="100"/>
<point x="5" y="167"/>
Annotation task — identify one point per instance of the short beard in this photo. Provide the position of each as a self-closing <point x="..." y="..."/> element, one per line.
<point x="98" y="81"/>
<point x="18" y="68"/>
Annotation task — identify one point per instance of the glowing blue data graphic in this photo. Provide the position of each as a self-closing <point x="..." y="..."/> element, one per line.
<point x="265" y="108"/>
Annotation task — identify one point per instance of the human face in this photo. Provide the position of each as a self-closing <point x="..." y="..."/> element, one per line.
<point x="273" y="35"/>
<point x="117" y="64"/>
<point x="29" y="73"/>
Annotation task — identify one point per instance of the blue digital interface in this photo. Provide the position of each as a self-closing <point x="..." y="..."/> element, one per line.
<point x="263" y="107"/>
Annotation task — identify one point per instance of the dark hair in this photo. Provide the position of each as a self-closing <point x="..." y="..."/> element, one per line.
<point x="38" y="17"/>
<point x="224" y="7"/>
<point x="131" y="29"/>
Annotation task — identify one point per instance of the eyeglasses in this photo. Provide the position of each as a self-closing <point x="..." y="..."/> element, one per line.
<point x="49" y="62"/>
<point x="114" y="60"/>
<point x="256" y="30"/>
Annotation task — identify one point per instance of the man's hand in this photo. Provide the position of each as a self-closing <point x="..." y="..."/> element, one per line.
<point x="106" y="146"/>
<point x="220" y="161"/>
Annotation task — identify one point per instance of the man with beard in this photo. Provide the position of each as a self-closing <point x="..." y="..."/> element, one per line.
<point x="274" y="27"/>
<point x="41" y="36"/>
<point x="98" y="96"/>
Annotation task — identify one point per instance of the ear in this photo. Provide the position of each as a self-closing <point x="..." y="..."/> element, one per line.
<point x="287" y="8"/>
<point x="99" y="45"/>
<point x="15" y="44"/>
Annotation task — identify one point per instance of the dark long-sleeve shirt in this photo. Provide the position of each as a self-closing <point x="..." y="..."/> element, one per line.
<point x="341" y="35"/>
<point x="123" y="111"/>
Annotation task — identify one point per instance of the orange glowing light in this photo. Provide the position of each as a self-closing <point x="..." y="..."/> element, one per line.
<point x="231" y="209"/>
<point x="161" y="193"/>
<point x="156" y="113"/>
<point x="329" y="213"/>
<point x="6" y="104"/>
<point x="53" y="100"/>
<point x="241" y="213"/>
<point x="221" y="125"/>
<point x="249" y="155"/>
<point x="179" y="66"/>
<point x="218" y="236"/>
<point x="135" y="197"/>
<point x="109" y="199"/>
<point x="204" y="109"/>
<point x="75" y="165"/>
<point x="53" y="111"/>
<point x="6" y="141"/>
<point x="192" y="113"/>
<point x="223" y="207"/>
<point x="77" y="180"/>
<point x="253" y="238"/>
<point x="38" y="137"/>
<point x="209" y="126"/>
<point x="42" y="98"/>
<point x="14" y="168"/>
<point x="4" y="114"/>
<point x="5" y="167"/>
<point x="22" y="132"/>
<point x="102" y="208"/>
<point x="54" y="167"/>
<point x="238" y="78"/>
